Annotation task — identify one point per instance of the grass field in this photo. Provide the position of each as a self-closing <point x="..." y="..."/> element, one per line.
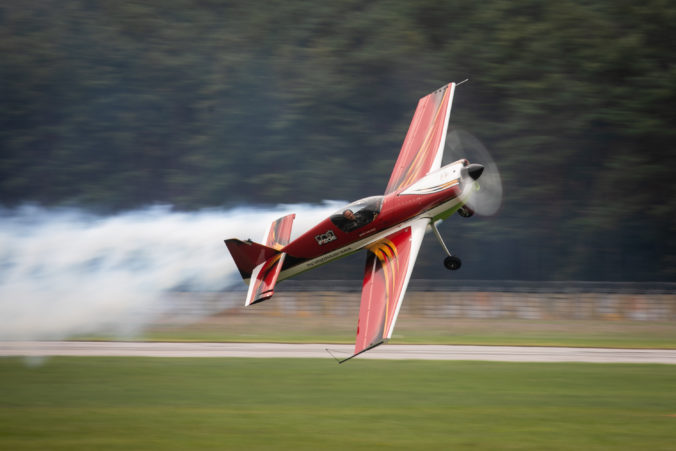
<point x="260" y="327"/>
<point x="311" y="404"/>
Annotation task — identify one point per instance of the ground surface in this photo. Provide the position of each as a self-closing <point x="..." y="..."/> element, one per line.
<point x="259" y="325"/>
<point x="396" y="352"/>
<point x="123" y="403"/>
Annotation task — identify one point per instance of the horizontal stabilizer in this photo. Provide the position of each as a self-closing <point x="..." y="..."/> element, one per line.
<point x="264" y="279"/>
<point x="260" y="265"/>
<point x="279" y="233"/>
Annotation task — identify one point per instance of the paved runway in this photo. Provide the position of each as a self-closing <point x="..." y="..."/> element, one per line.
<point x="393" y="352"/>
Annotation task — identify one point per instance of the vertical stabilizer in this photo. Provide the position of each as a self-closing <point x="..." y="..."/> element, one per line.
<point x="264" y="279"/>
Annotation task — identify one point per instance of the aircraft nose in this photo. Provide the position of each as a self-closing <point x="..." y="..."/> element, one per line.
<point x="475" y="170"/>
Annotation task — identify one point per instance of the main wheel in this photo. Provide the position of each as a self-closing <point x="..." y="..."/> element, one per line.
<point x="452" y="263"/>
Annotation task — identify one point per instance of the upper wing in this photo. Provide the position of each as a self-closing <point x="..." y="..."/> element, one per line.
<point x="389" y="264"/>
<point x="423" y="147"/>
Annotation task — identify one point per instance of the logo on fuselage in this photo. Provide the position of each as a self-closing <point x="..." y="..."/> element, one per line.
<point x="325" y="238"/>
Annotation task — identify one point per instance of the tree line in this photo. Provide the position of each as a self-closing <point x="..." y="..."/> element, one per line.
<point x="199" y="103"/>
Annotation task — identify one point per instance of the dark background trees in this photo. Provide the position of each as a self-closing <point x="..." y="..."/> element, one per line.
<point x="117" y="105"/>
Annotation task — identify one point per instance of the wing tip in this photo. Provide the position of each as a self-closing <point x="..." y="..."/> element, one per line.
<point x="362" y="351"/>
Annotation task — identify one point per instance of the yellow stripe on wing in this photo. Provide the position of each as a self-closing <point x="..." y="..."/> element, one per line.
<point x="386" y="252"/>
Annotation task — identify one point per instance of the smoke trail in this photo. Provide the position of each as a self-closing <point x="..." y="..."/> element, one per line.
<point x="66" y="272"/>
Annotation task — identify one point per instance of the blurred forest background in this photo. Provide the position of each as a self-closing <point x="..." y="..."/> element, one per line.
<point x="113" y="106"/>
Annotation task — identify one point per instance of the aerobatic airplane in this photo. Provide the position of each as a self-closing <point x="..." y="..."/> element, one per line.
<point x="390" y="227"/>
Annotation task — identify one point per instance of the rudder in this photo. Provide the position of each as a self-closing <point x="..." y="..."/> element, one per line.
<point x="248" y="255"/>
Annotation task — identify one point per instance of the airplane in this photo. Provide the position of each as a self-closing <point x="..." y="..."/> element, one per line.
<point x="390" y="227"/>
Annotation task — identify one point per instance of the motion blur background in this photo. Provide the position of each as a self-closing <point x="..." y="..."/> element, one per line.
<point x="109" y="107"/>
<point x="136" y="135"/>
<point x="115" y="106"/>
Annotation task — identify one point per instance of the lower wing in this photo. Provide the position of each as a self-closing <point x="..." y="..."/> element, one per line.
<point x="389" y="264"/>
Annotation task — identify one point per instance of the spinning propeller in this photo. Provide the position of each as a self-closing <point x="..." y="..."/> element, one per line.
<point x="480" y="181"/>
<point x="482" y="185"/>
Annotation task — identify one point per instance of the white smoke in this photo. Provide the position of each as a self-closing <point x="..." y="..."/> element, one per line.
<point x="66" y="272"/>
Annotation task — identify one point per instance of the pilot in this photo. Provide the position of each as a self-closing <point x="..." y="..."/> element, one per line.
<point x="351" y="221"/>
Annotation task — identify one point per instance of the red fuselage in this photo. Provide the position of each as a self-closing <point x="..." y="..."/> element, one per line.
<point x="330" y="240"/>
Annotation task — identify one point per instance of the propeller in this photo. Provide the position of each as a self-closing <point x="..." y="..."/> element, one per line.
<point x="482" y="185"/>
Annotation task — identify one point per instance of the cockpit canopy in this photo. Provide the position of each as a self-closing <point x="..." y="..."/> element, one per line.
<point x="357" y="214"/>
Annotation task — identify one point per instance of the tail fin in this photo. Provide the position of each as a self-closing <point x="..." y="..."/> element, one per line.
<point x="248" y="255"/>
<point x="260" y="265"/>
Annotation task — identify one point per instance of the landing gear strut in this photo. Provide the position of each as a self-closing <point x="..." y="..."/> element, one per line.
<point x="451" y="262"/>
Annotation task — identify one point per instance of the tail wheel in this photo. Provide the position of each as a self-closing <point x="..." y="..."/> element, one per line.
<point x="452" y="263"/>
<point x="465" y="211"/>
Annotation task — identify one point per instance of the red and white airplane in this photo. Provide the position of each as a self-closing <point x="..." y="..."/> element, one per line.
<point x="390" y="227"/>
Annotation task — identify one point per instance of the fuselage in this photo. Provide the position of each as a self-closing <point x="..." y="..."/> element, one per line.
<point x="368" y="220"/>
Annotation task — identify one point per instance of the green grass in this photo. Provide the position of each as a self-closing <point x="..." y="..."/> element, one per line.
<point x="309" y="404"/>
<point x="412" y="330"/>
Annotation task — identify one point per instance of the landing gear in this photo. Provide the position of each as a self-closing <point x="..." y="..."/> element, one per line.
<point x="465" y="211"/>
<point x="451" y="262"/>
